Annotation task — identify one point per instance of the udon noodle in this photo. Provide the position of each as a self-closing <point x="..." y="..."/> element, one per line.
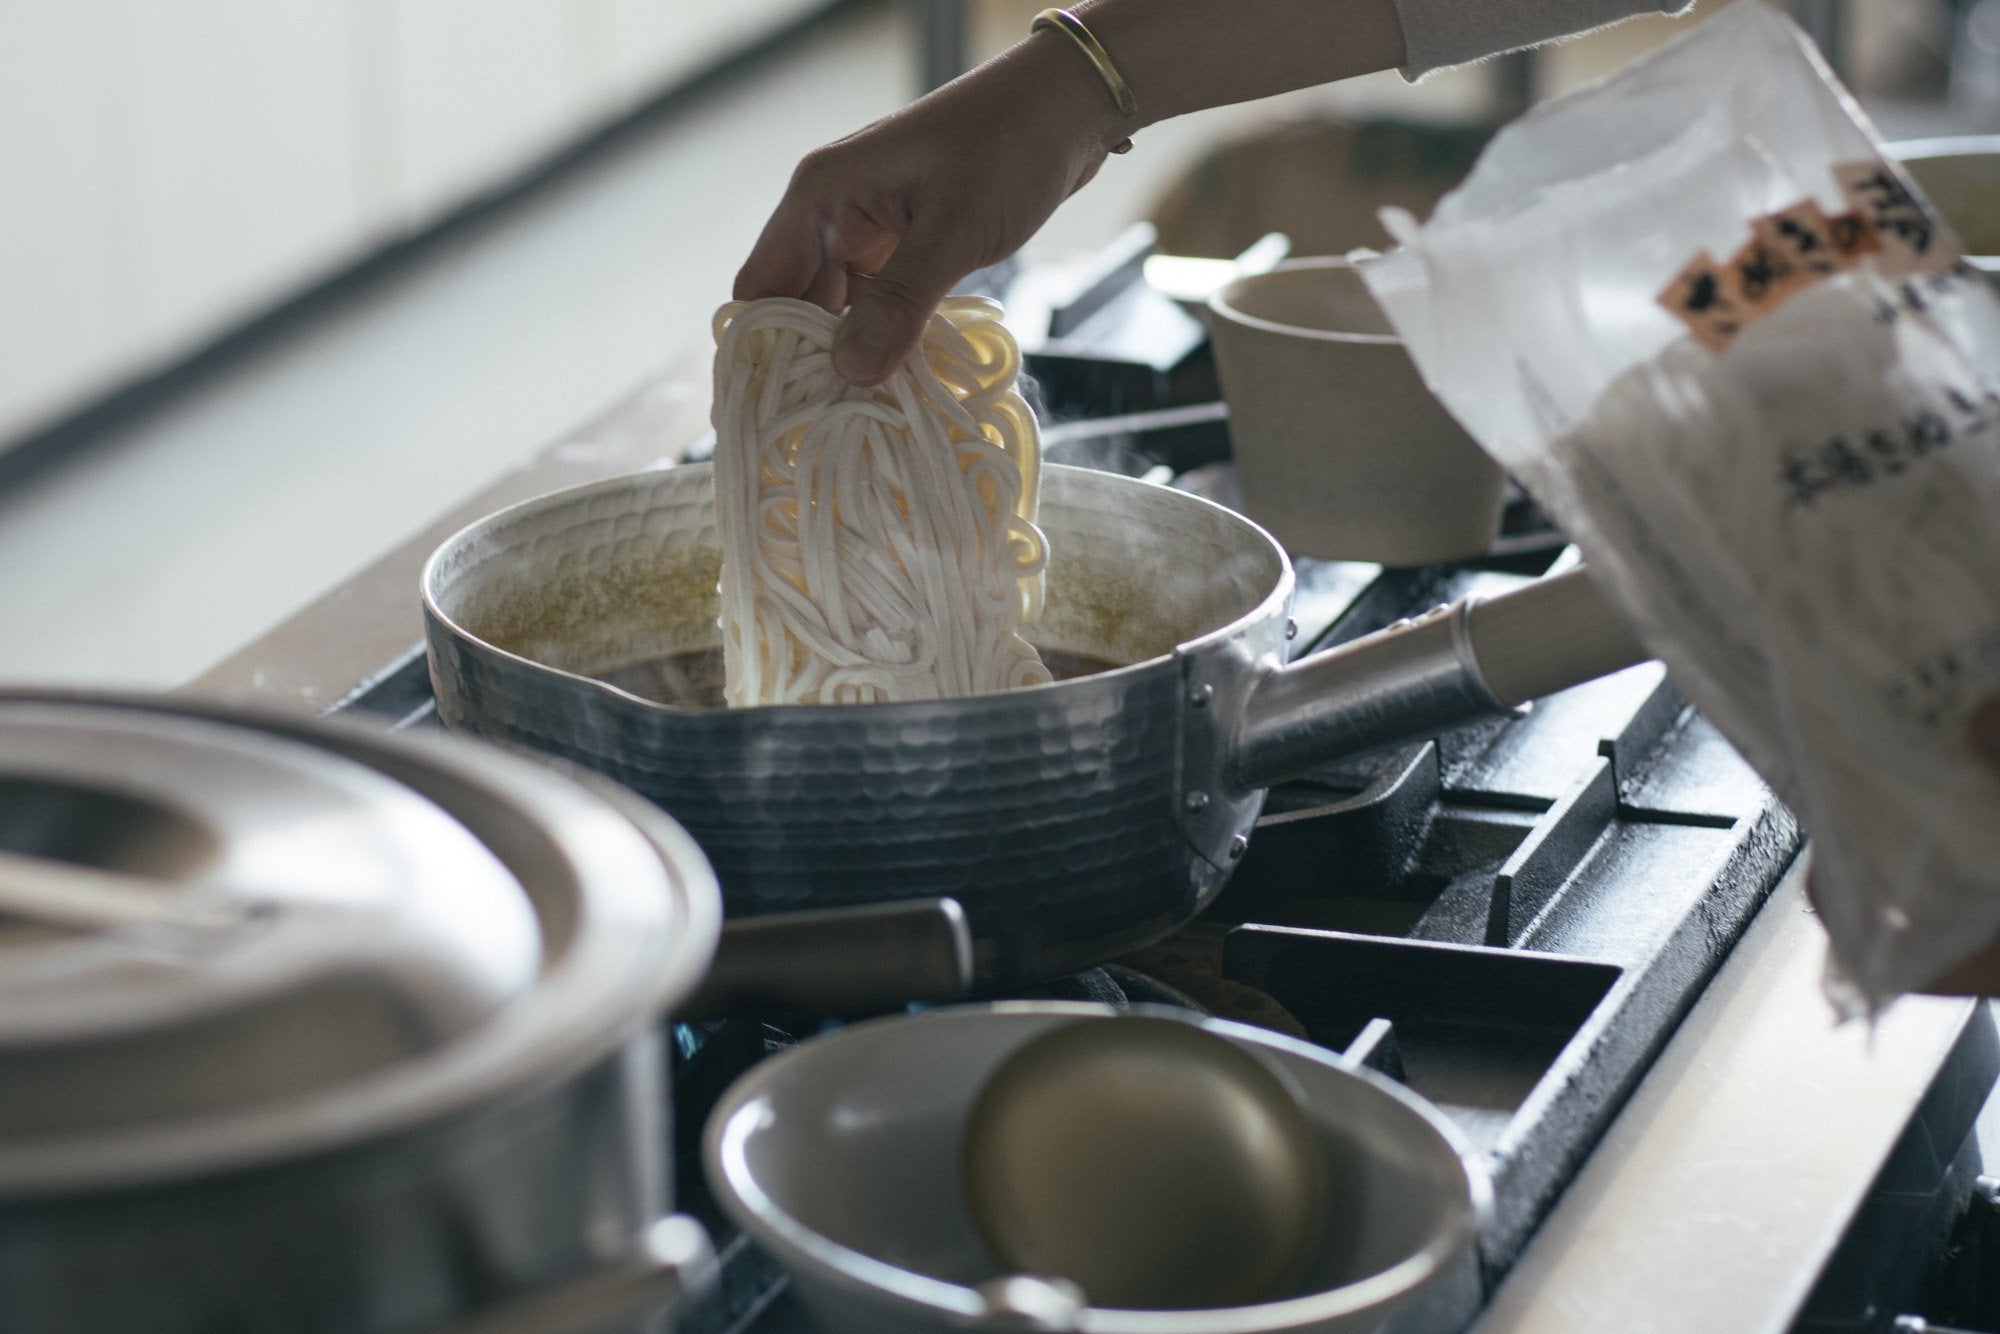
<point x="877" y="544"/>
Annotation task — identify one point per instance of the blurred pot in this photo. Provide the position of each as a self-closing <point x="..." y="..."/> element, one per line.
<point x="1961" y="176"/>
<point x="309" y="1027"/>
<point x="1341" y="451"/>
<point x="239" y="1126"/>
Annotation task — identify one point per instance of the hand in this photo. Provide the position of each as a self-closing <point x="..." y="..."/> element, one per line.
<point x="887" y="220"/>
<point x="1978" y="975"/>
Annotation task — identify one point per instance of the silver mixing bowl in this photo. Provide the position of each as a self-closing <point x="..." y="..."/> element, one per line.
<point x="841" y="1158"/>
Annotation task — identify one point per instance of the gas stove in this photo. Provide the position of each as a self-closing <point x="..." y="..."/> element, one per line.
<point x="1509" y="918"/>
<point x="1514" y="919"/>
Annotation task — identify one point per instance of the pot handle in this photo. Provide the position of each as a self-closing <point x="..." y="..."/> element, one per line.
<point x="843" y="961"/>
<point x="1468" y="660"/>
<point x="672" y="1264"/>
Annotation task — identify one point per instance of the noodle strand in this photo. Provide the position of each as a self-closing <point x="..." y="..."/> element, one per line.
<point x="877" y="544"/>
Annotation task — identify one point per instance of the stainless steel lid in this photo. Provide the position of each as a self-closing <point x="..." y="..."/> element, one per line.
<point x="196" y="917"/>
<point x="226" y="939"/>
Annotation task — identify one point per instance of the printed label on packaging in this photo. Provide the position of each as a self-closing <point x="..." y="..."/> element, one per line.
<point x="1909" y="238"/>
<point x="1860" y="458"/>
<point x="1803" y="236"/>
<point x="1703" y="297"/>
<point x="1852" y="237"/>
<point x="1797" y="246"/>
<point x="1766" y="273"/>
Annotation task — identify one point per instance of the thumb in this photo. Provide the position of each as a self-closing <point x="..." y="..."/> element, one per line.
<point x="887" y="318"/>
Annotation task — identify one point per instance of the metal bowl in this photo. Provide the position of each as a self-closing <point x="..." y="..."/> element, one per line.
<point x="841" y="1158"/>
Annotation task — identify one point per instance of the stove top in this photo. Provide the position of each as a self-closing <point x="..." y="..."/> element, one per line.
<point x="1510" y="918"/>
<point x="1513" y="918"/>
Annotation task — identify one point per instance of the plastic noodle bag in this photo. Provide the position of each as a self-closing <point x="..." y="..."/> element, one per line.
<point x="1730" y="350"/>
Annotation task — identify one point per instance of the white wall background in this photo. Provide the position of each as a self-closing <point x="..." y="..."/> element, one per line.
<point x="169" y="167"/>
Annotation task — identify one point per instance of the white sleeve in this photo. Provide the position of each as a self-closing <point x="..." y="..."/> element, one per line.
<point x="1450" y="32"/>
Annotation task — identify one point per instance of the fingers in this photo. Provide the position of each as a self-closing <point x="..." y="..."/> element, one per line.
<point x="1982" y="732"/>
<point x="889" y="311"/>
<point x="829" y="288"/>
<point x="1975" y="975"/>
<point x="1978" y="974"/>
<point x="821" y="238"/>
<point x="789" y="253"/>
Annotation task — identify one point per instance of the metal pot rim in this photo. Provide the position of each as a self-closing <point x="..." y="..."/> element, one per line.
<point x="1942" y="145"/>
<point x="632" y="954"/>
<point x="1222" y="303"/>
<point x="799" y="1245"/>
<point x="1272" y="604"/>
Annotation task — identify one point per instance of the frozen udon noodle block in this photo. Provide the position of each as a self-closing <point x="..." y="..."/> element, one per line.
<point x="877" y="544"/>
<point x="1727" y="345"/>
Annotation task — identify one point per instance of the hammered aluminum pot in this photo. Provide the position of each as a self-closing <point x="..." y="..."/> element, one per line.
<point x="313" y="1161"/>
<point x="1074" y="821"/>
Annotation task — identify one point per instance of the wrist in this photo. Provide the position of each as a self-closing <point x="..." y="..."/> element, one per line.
<point x="1132" y="36"/>
<point x="1069" y="86"/>
<point x="1065" y="24"/>
<point x="1179" y="56"/>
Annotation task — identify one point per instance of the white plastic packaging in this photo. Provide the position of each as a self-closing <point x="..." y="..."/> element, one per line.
<point x="1729" y="349"/>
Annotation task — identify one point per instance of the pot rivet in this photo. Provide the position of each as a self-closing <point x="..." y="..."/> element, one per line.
<point x="1200" y="695"/>
<point x="1196" y="800"/>
<point x="1291" y="628"/>
<point x="1238" y="845"/>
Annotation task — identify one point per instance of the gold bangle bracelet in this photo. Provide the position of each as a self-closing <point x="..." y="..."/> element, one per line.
<point x="1070" y="26"/>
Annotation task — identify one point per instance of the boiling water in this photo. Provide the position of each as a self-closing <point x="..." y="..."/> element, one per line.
<point x="694" y="680"/>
